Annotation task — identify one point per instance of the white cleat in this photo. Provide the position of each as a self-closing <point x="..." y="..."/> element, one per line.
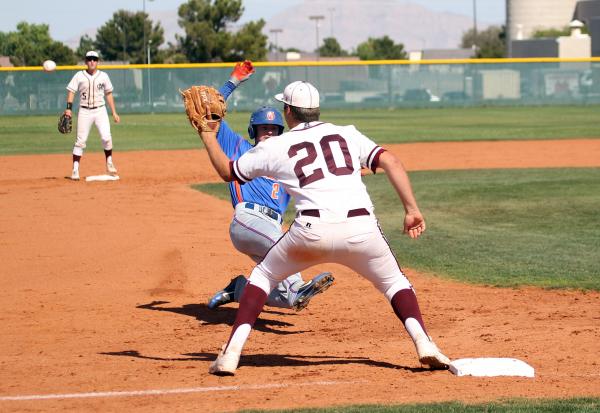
<point x="225" y="364"/>
<point x="110" y="168"/>
<point x="430" y="354"/>
<point x="75" y="175"/>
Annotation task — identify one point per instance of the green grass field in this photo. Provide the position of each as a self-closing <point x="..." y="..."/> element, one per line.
<point x="582" y="405"/>
<point x="497" y="227"/>
<point x="38" y="134"/>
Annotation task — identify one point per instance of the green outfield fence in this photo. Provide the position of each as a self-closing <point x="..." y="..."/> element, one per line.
<point x="342" y="84"/>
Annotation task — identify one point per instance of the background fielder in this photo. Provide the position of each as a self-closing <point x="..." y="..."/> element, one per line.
<point x="93" y="86"/>
<point x="319" y="165"/>
<point x="259" y="207"/>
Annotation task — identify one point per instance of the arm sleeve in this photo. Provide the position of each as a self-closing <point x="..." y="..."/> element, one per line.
<point x="228" y="140"/>
<point x="108" y="87"/>
<point x="73" y="84"/>
<point x="227" y="89"/>
<point x="369" y="151"/>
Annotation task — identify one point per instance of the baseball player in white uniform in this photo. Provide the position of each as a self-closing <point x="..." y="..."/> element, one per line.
<point x="93" y="86"/>
<point x="319" y="165"/>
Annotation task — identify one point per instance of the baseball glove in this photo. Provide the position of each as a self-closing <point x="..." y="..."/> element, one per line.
<point x="205" y="107"/>
<point x="65" y="124"/>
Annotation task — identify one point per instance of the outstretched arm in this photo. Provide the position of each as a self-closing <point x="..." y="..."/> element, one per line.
<point x="240" y="73"/>
<point x="414" y="223"/>
<point x="219" y="160"/>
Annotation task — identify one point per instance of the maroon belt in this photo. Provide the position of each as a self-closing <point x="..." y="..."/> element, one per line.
<point x="352" y="213"/>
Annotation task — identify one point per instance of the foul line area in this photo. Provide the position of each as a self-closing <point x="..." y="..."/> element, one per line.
<point x="162" y="392"/>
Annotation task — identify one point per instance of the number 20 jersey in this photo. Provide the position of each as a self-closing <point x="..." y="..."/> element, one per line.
<point x="318" y="164"/>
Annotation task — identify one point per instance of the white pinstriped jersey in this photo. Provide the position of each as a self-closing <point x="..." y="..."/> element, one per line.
<point x="317" y="163"/>
<point x="91" y="88"/>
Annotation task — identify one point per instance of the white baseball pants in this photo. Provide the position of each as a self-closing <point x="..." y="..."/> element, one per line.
<point x="85" y="119"/>
<point x="356" y="242"/>
<point x="253" y="233"/>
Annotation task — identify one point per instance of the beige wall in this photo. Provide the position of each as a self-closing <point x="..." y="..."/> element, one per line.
<point x="534" y="14"/>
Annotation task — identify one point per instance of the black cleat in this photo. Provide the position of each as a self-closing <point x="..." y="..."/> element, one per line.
<point x="225" y="295"/>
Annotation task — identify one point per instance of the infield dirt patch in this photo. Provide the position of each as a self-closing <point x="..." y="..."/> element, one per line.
<point x="105" y="284"/>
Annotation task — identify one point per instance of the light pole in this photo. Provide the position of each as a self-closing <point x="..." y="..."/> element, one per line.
<point x="149" y="81"/>
<point x="275" y="32"/>
<point x="317" y="19"/>
<point x="474" y="25"/>
<point x="146" y="45"/>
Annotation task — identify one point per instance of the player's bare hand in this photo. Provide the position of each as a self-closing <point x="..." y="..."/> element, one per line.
<point x="69" y="113"/>
<point x="414" y="224"/>
<point x="116" y="118"/>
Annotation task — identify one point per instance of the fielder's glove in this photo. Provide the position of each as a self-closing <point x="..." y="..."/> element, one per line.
<point x="65" y="124"/>
<point x="205" y="107"/>
<point x="241" y="72"/>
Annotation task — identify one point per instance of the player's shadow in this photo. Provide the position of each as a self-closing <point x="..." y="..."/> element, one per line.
<point x="224" y="315"/>
<point x="276" y="360"/>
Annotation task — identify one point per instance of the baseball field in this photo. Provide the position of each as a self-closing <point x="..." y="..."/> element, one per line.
<point x="105" y="284"/>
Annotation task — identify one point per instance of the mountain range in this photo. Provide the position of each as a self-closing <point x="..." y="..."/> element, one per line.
<point x="350" y="22"/>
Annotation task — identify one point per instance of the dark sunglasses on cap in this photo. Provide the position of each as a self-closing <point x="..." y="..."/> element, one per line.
<point x="95" y="59"/>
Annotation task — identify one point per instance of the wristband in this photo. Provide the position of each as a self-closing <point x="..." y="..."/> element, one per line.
<point x="69" y="105"/>
<point x="236" y="82"/>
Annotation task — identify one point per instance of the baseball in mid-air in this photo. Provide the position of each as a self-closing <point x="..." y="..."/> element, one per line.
<point x="49" y="65"/>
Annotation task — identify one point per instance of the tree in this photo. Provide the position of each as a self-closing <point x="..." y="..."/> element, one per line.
<point x="490" y="43"/>
<point x="122" y="37"/>
<point x="331" y="48"/>
<point x="554" y="32"/>
<point x="31" y="44"/>
<point x="207" y="38"/>
<point x="380" y="48"/>
<point x="86" y="43"/>
<point x="248" y="43"/>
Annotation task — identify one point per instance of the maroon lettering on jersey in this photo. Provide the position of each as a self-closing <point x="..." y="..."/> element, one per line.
<point x="333" y="168"/>
<point x="311" y="155"/>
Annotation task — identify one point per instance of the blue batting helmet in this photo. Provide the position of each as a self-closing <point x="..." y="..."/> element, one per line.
<point x="265" y="115"/>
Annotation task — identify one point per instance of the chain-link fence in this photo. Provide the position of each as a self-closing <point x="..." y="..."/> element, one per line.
<point x="139" y="88"/>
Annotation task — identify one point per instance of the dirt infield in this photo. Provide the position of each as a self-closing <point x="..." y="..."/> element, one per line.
<point x="105" y="283"/>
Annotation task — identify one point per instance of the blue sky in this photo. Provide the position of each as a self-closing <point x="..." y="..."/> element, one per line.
<point x="69" y="19"/>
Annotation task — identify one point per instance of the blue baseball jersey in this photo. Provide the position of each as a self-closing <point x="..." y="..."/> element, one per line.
<point x="263" y="191"/>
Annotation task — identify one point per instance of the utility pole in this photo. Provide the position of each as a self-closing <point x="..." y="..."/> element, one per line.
<point x="275" y="32"/>
<point x="474" y="25"/>
<point x="317" y="19"/>
<point x="146" y="45"/>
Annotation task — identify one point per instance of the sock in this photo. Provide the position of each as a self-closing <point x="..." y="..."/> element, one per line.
<point x="251" y="303"/>
<point x="76" y="159"/>
<point x="108" y="155"/>
<point x="406" y="307"/>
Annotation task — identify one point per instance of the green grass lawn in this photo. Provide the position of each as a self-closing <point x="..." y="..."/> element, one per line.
<point x="502" y="227"/>
<point x="38" y="134"/>
<point x="582" y="405"/>
<point x="507" y="228"/>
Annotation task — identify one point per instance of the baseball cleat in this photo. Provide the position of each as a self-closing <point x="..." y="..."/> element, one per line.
<point x="430" y="354"/>
<point x="75" y="175"/>
<point x="110" y="168"/>
<point x="225" y="364"/>
<point x="311" y="288"/>
<point x="224" y="296"/>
